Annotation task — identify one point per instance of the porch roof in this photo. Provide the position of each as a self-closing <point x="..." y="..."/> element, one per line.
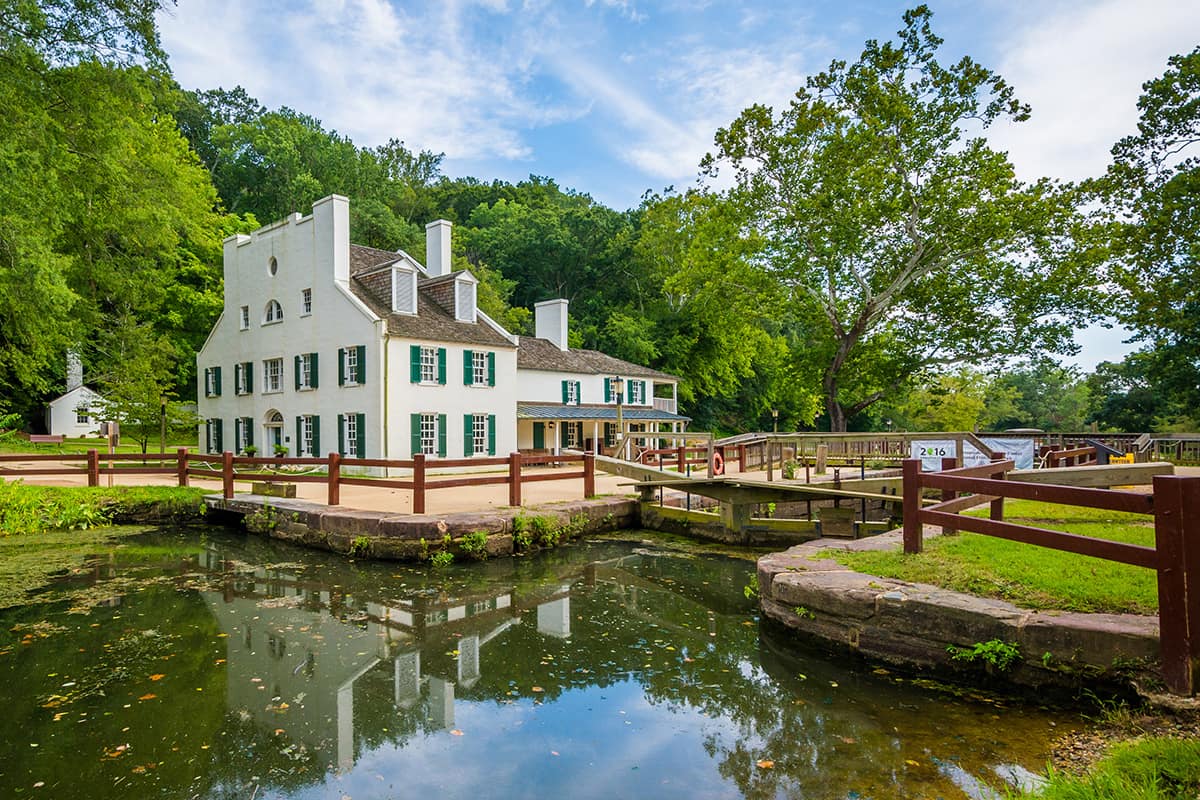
<point x="605" y="413"/>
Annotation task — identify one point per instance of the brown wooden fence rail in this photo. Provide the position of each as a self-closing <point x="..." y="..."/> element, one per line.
<point x="1073" y="457"/>
<point x="227" y="468"/>
<point x="1175" y="506"/>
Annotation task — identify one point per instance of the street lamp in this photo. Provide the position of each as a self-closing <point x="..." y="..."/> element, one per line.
<point x="162" y="424"/>
<point x="617" y="384"/>
<point x="775" y="418"/>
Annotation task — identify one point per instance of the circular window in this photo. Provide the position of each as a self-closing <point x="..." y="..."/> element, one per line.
<point x="272" y="266"/>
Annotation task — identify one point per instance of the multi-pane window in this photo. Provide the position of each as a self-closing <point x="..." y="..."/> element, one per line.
<point x="273" y="375"/>
<point x="306" y="301"/>
<point x="479" y="433"/>
<point x="243" y="381"/>
<point x="637" y="392"/>
<point x="479" y="367"/>
<point x="574" y="433"/>
<point x="572" y="392"/>
<point x="351" y="437"/>
<point x="429" y="434"/>
<point x="306" y="435"/>
<point x="245" y="434"/>
<point x="274" y="312"/>
<point x="212" y="382"/>
<point x="81" y="416"/>
<point x="351" y="365"/>
<point x="429" y="364"/>
<point x="306" y="371"/>
<point x="245" y="318"/>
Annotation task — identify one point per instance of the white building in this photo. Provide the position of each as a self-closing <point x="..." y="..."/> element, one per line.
<point x="323" y="345"/>
<point x="74" y="413"/>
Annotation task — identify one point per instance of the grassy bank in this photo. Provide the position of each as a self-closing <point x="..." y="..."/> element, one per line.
<point x="1030" y="576"/>
<point x="1154" y="768"/>
<point x="26" y="509"/>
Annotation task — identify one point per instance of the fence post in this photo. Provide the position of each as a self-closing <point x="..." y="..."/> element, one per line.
<point x="419" y="483"/>
<point x="1176" y="528"/>
<point x="514" y="479"/>
<point x="912" y="505"/>
<point x="181" y="466"/>
<point x="93" y="467"/>
<point x="335" y="479"/>
<point x="227" y="475"/>
<point x="589" y="475"/>
<point x="681" y="454"/>
<point x="996" y="511"/>
<point x="949" y="494"/>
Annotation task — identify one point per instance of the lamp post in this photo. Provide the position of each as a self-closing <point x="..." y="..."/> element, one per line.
<point x="162" y="424"/>
<point x="775" y="419"/>
<point x="617" y="384"/>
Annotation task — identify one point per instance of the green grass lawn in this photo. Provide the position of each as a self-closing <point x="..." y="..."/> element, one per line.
<point x="1030" y="576"/>
<point x="18" y="446"/>
<point x="1155" y="768"/>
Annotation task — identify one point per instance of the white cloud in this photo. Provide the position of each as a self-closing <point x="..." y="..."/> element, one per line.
<point x="1081" y="68"/>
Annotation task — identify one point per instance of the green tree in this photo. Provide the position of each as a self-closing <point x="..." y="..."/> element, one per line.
<point x="1040" y="394"/>
<point x="1152" y="189"/>
<point x="901" y="241"/>
<point x="952" y="401"/>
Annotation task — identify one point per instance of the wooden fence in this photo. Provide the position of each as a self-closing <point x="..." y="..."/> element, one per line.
<point x="227" y="468"/>
<point x="1175" y="506"/>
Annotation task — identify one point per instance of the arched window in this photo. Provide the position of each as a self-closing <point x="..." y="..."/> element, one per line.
<point x="274" y="312"/>
<point x="272" y="266"/>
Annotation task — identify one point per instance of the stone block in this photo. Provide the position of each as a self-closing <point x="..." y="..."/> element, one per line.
<point x="351" y="523"/>
<point x="270" y="489"/>
<point x="946" y="617"/>
<point x="841" y="595"/>
<point x="1089" y="639"/>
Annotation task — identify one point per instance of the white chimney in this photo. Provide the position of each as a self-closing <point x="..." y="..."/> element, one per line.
<point x="437" y="248"/>
<point x="550" y="321"/>
<point x="74" y="370"/>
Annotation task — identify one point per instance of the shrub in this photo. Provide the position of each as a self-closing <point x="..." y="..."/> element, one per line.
<point x="474" y="544"/>
<point x="998" y="654"/>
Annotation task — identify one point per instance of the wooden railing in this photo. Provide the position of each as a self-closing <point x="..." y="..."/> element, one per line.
<point x="228" y="468"/>
<point x="1175" y="506"/>
<point x="1074" y="457"/>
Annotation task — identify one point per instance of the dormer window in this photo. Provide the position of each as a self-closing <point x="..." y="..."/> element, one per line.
<point x="464" y="298"/>
<point x="273" y="313"/>
<point x="404" y="290"/>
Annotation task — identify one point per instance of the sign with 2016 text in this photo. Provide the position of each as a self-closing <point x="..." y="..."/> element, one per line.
<point x="932" y="451"/>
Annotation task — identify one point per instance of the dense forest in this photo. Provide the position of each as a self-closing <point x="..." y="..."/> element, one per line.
<point x="868" y="262"/>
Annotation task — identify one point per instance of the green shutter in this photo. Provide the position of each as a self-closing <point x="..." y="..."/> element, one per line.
<point x="237" y="378"/>
<point x="299" y="438"/>
<point x="416" y="433"/>
<point x="414" y="363"/>
<point x="316" y="444"/>
<point x="608" y="390"/>
<point x="220" y="439"/>
<point x="491" y="423"/>
<point x="491" y="362"/>
<point x="296" y="371"/>
<point x="248" y="376"/>
<point x="565" y="395"/>
<point x="217" y="381"/>
<point x="342" y="434"/>
<point x="362" y="364"/>
<point x="312" y="370"/>
<point x="341" y="366"/>
<point x="468" y="435"/>
<point x="441" y="423"/>
<point x="643" y="394"/>
<point x="578" y="393"/>
<point x="442" y="366"/>
<point x="248" y="426"/>
<point x="237" y="431"/>
<point x="361" y="435"/>
<point x="562" y="434"/>
<point x="468" y="368"/>
<point x="539" y="436"/>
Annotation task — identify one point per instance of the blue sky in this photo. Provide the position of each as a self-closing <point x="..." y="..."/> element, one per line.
<point x="617" y="97"/>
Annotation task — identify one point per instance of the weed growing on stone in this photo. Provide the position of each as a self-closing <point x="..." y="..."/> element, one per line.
<point x="998" y="654"/>
<point x="442" y="558"/>
<point x="474" y="544"/>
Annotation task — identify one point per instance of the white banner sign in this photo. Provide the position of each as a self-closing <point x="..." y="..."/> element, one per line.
<point x="932" y="451"/>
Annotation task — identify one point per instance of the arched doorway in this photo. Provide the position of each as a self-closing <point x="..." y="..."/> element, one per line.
<point x="273" y="432"/>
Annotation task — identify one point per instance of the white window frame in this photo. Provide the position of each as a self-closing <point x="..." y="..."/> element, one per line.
<point x="350" y="434"/>
<point x="305" y="302"/>
<point x="479" y="368"/>
<point x="429" y="434"/>
<point x="305" y="371"/>
<point x="240" y="374"/>
<point x="479" y="434"/>
<point x="572" y="393"/>
<point x="429" y="364"/>
<point x="351" y="356"/>
<point x="273" y="313"/>
<point x="210" y="431"/>
<point x="272" y="383"/>
<point x="82" y="416"/>
<point x="244" y="320"/>
<point x="574" y="430"/>
<point x="244" y="442"/>
<point x="306" y="434"/>
<point x="635" y="393"/>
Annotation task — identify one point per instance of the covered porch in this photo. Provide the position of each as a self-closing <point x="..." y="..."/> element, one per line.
<point x="552" y="428"/>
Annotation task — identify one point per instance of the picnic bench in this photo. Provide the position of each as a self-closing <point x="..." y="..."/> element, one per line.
<point x="46" y="438"/>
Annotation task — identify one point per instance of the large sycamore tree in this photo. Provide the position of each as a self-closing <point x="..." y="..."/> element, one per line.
<point x="902" y="242"/>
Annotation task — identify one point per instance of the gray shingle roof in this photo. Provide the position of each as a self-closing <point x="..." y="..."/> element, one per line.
<point x="543" y="354"/>
<point x="430" y="322"/>
<point x="555" y="411"/>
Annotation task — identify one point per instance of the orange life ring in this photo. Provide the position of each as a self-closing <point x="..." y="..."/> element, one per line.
<point x="718" y="464"/>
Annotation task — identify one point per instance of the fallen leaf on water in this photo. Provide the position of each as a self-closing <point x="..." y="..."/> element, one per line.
<point x="536" y="689"/>
<point x="553" y="752"/>
<point x="158" y="676"/>
<point x="912" y="763"/>
<point x="148" y="696"/>
<point x="456" y="732"/>
<point x="833" y="684"/>
<point x="278" y="731"/>
<point x="849" y="740"/>
<point x="765" y="764"/>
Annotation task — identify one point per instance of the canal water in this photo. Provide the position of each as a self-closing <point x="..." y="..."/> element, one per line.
<point x="182" y="665"/>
